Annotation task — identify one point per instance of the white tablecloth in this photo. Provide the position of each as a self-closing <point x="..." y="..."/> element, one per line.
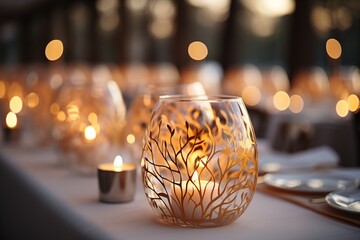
<point x="51" y="202"/>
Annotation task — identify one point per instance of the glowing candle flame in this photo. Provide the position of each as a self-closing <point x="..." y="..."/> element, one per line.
<point x="195" y="177"/>
<point x="118" y="162"/>
<point x="11" y="120"/>
<point x="90" y="133"/>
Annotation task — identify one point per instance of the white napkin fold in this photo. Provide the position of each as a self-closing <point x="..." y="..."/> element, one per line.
<point x="319" y="157"/>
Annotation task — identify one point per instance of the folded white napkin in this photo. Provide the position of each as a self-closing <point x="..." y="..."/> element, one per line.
<point x="319" y="157"/>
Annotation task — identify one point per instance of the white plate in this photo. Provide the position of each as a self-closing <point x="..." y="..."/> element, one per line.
<point x="320" y="182"/>
<point x="347" y="200"/>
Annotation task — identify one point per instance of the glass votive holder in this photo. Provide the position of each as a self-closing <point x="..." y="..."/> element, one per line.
<point x="89" y="115"/>
<point x="140" y="111"/>
<point x="200" y="160"/>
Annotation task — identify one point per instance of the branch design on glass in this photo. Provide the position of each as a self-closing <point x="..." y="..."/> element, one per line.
<point x="199" y="164"/>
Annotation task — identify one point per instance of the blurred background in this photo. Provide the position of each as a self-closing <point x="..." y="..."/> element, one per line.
<point x="295" y="63"/>
<point x="291" y="34"/>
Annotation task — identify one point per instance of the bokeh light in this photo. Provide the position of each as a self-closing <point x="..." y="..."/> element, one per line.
<point x="161" y="28"/>
<point x="251" y="95"/>
<point x="333" y="48"/>
<point x="342" y="108"/>
<point x="32" y="100"/>
<point x="11" y="120"/>
<point x="270" y="8"/>
<point x="54" y="108"/>
<point x="90" y="133"/>
<point x="16" y="104"/>
<point x="296" y="103"/>
<point x="61" y="116"/>
<point x="2" y="89"/>
<point x="130" y="139"/>
<point x="281" y="100"/>
<point x="197" y="50"/>
<point x="73" y="112"/>
<point x="353" y="102"/>
<point x="93" y="118"/>
<point x="54" y="49"/>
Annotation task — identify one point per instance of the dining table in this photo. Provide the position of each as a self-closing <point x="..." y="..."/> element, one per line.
<point x="42" y="199"/>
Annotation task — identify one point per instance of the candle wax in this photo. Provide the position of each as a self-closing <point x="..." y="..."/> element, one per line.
<point x="194" y="197"/>
<point x="112" y="167"/>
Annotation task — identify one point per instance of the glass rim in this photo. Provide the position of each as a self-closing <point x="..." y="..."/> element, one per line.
<point x="199" y="98"/>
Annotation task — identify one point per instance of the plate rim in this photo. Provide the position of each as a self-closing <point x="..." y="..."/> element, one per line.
<point x="355" y="181"/>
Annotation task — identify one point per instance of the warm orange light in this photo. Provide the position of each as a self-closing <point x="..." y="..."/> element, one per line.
<point x="281" y="100"/>
<point x="93" y="118"/>
<point x="96" y="126"/>
<point x="161" y="28"/>
<point x="130" y="138"/>
<point x="54" y="49"/>
<point x="251" y="95"/>
<point x="61" y="116"/>
<point x="32" y="100"/>
<point x="353" y="102"/>
<point x="197" y="50"/>
<point x="54" y="108"/>
<point x="296" y="103"/>
<point x="246" y="144"/>
<point x="11" y="120"/>
<point x="195" y="177"/>
<point x="73" y="112"/>
<point x="90" y="133"/>
<point x="16" y="104"/>
<point x="118" y="161"/>
<point x="333" y="48"/>
<point x="15" y="89"/>
<point x="147" y="100"/>
<point x="2" y="89"/>
<point x="342" y="108"/>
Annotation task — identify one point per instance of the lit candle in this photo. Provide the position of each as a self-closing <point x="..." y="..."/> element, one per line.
<point x="117" y="181"/>
<point x="11" y="128"/>
<point x="194" y="198"/>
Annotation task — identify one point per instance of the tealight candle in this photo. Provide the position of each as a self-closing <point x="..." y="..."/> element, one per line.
<point x="11" y="128"/>
<point x="197" y="196"/>
<point x="117" y="181"/>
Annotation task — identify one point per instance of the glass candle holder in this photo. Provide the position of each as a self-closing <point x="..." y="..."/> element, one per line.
<point x="200" y="160"/>
<point x="39" y="94"/>
<point x="89" y="115"/>
<point x="140" y="112"/>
